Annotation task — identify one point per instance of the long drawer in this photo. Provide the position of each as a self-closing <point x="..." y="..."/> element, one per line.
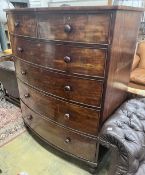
<point x="75" y="89"/>
<point x="70" y="115"/>
<point x="92" y="28"/>
<point x="66" y="58"/>
<point x="22" y="24"/>
<point x="71" y="142"/>
<point x="89" y="28"/>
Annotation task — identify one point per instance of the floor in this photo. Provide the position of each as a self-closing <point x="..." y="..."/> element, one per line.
<point x="11" y="122"/>
<point x="25" y="154"/>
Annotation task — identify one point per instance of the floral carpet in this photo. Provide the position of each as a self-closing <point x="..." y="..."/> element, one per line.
<point x="11" y="123"/>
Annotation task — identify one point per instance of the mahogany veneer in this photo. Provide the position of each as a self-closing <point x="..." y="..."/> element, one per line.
<point x="62" y="138"/>
<point x="75" y="89"/>
<point x="72" y="59"/>
<point x="73" y="66"/>
<point x="68" y="114"/>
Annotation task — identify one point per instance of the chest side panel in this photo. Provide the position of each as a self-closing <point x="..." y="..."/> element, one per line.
<point x="121" y="56"/>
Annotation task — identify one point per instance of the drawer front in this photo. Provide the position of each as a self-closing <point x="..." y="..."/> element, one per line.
<point x="79" y="90"/>
<point x="22" y="24"/>
<point x="67" y="114"/>
<point x="78" y="145"/>
<point x="92" y="28"/>
<point x="70" y="59"/>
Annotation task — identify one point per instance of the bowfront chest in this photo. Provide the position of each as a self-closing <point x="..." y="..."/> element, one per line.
<point x="73" y="66"/>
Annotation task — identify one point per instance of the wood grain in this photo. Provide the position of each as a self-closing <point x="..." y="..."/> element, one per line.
<point x="26" y="24"/>
<point x="84" y="91"/>
<point x="121" y="58"/>
<point x="73" y="66"/>
<point x="78" y="118"/>
<point x="62" y="138"/>
<point x="85" y="28"/>
<point x="83" y="61"/>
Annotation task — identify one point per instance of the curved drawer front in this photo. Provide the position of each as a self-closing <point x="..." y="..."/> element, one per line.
<point x="87" y="92"/>
<point x="22" y="24"/>
<point x="70" y="59"/>
<point x="67" y="114"/>
<point x="78" y="145"/>
<point x="92" y="28"/>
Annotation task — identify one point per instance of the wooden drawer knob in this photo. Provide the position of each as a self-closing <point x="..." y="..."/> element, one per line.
<point x="67" y="88"/>
<point x="67" y="140"/>
<point x="17" y="24"/>
<point x="27" y="95"/>
<point x="67" y="116"/>
<point x="30" y="117"/>
<point x="19" y="49"/>
<point x="23" y="72"/>
<point x="67" y="28"/>
<point x="67" y="59"/>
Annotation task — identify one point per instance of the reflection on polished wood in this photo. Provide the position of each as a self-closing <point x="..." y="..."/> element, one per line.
<point x="73" y="66"/>
<point x="79" y="145"/>
<point x="61" y="85"/>
<point x="66" y="58"/>
<point x="68" y="114"/>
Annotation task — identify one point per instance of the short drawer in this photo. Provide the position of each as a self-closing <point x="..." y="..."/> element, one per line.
<point x="70" y="59"/>
<point x="67" y="114"/>
<point x="22" y="24"/>
<point x="74" y="89"/>
<point x="71" y="142"/>
<point x="91" y="28"/>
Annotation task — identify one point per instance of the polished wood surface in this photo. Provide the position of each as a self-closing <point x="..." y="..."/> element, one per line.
<point x="70" y="115"/>
<point x="74" y="89"/>
<point x="22" y="24"/>
<point x="69" y="59"/>
<point x="73" y="66"/>
<point x="79" y="145"/>
<point x="74" y="27"/>
<point x="122" y="53"/>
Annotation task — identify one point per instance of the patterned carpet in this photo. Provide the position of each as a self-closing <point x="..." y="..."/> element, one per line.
<point x="11" y="123"/>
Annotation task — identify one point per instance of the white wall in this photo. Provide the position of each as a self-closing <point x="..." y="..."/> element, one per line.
<point x="34" y="3"/>
<point x="78" y="2"/>
<point x="38" y="3"/>
<point x="46" y="3"/>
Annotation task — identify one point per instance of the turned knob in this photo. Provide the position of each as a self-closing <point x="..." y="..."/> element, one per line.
<point x="67" y="116"/>
<point x="67" y="140"/>
<point x="67" y="28"/>
<point x="67" y="59"/>
<point x="67" y="88"/>
<point x="19" y="49"/>
<point x="17" y="24"/>
<point x="30" y="117"/>
<point x="27" y="95"/>
<point x="23" y="72"/>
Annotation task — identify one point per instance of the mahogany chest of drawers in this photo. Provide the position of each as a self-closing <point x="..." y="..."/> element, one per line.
<point x="73" y="66"/>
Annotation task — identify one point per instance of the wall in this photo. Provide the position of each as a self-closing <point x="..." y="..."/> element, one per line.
<point x="46" y="3"/>
<point x="38" y="3"/>
<point x="78" y="2"/>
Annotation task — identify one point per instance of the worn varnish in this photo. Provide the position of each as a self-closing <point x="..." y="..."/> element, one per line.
<point x="121" y="57"/>
<point x="73" y="66"/>
<point x="61" y="85"/>
<point x="74" y="27"/>
<point x="77" y="60"/>
<point x="70" y="115"/>
<point x="79" y="145"/>
<point x="23" y="24"/>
